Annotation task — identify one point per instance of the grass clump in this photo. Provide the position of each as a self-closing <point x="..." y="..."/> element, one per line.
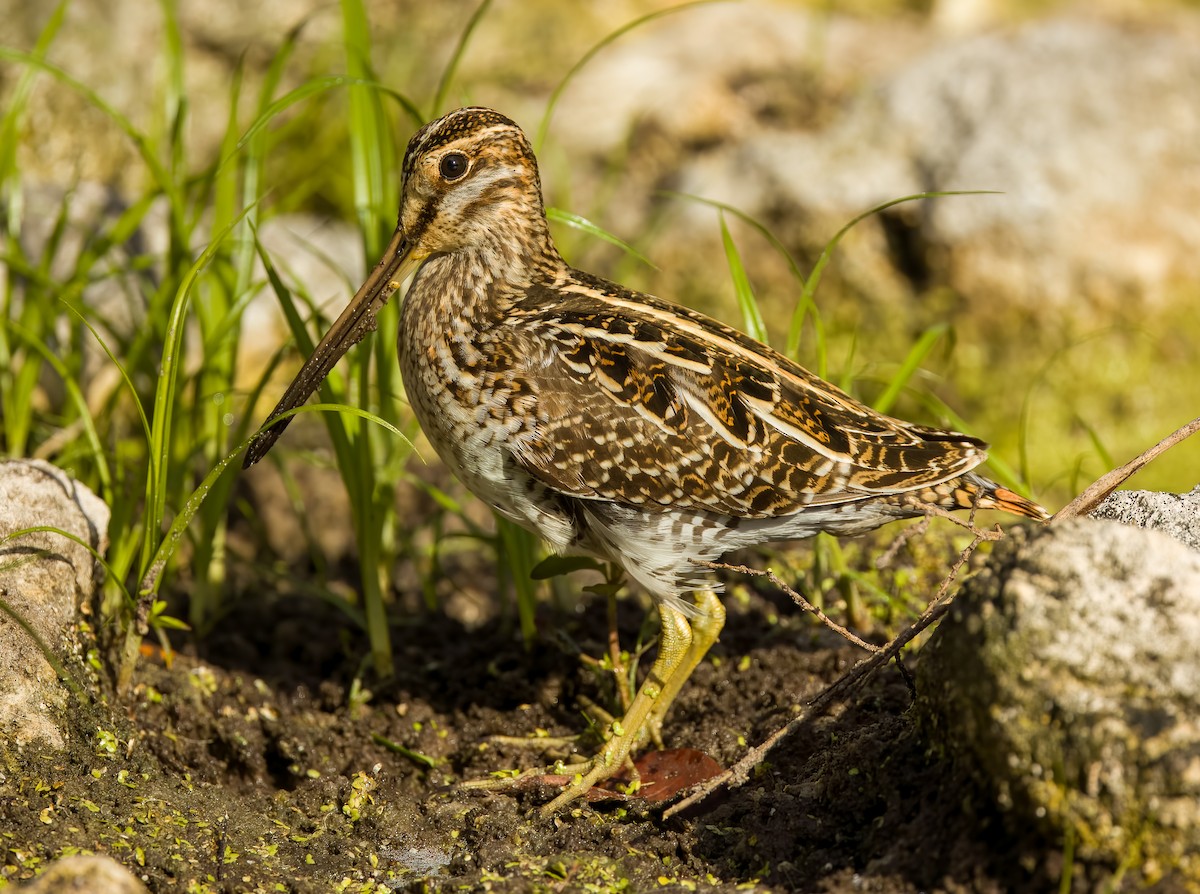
<point x="156" y="437"/>
<point x="156" y="430"/>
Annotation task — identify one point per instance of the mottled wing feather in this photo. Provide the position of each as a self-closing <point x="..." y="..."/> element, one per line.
<point x="641" y="402"/>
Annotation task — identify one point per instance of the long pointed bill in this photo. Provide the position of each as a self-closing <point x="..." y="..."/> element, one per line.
<point x="351" y="327"/>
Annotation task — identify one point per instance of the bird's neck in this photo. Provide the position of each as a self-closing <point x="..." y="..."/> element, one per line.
<point x="486" y="278"/>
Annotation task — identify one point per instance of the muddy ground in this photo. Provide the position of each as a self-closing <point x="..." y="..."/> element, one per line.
<point x="250" y="765"/>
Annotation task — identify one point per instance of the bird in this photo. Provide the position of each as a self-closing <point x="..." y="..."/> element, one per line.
<point x="614" y="423"/>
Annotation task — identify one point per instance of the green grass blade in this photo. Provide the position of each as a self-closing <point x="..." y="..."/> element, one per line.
<point x="96" y="451"/>
<point x="165" y="392"/>
<point x="912" y="362"/>
<point x="67" y="678"/>
<point x="225" y="293"/>
<point x="556" y="566"/>
<point x="175" y="97"/>
<point x="807" y="299"/>
<point x="584" y="225"/>
<point x="74" y="538"/>
<point x="1106" y="457"/>
<point x="373" y="155"/>
<point x="359" y="478"/>
<point x="346" y="409"/>
<point x="421" y="760"/>
<point x="846" y="380"/>
<point x="814" y="278"/>
<point x="805" y="307"/>
<point x="608" y="39"/>
<point x="158" y="172"/>
<point x="21" y="370"/>
<point x="118" y="233"/>
<point x="137" y="403"/>
<point x="152" y="578"/>
<point x="747" y="303"/>
<point x="367" y="465"/>
<point x="443" y="87"/>
<point x="338" y="434"/>
<point x="521" y="556"/>
<point x="308" y="90"/>
<point x="62" y="220"/>
<point x="18" y="100"/>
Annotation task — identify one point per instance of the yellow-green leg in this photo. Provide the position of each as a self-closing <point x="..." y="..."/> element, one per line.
<point x="674" y="642"/>
<point x="706" y="627"/>
<point x="682" y="644"/>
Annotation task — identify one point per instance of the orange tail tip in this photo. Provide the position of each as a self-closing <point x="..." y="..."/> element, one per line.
<point x="1009" y="501"/>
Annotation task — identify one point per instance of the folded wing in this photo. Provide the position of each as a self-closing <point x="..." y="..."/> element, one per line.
<point x="648" y="404"/>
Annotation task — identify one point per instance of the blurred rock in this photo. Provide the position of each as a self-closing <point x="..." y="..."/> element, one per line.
<point x="1090" y="131"/>
<point x="320" y="260"/>
<point x="722" y="74"/>
<point x="1067" y="676"/>
<point x="315" y="257"/>
<point x="1176" y="515"/>
<point x="73" y="140"/>
<point x="85" y="875"/>
<point x="44" y="578"/>
<point x="725" y="77"/>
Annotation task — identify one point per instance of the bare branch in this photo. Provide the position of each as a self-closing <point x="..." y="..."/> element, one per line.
<point x="1106" y="484"/>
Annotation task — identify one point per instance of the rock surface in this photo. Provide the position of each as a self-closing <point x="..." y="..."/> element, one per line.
<point x="1067" y="677"/>
<point x="85" y="875"/>
<point x="44" y="578"/>
<point x="1176" y="515"/>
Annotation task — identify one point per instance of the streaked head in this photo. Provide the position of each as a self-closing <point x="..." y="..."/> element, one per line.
<point x="470" y="183"/>
<point x="470" y="178"/>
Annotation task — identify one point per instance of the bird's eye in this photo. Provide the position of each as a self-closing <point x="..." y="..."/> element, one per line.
<point x="453" y="166"/>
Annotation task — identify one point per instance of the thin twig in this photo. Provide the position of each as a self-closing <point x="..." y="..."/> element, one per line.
<point x="798" y="598"/>
<point x="1106" y="484"/>
<point x="906" y="534"/>
<point x="909" y="680"/>
<point x="932" y="509"/>
<point x="739" y="773"/>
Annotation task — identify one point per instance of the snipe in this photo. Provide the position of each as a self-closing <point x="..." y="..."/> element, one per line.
<point x="615" y="423"/>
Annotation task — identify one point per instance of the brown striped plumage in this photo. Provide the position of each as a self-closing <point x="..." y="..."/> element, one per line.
<point x="612" y="422"/>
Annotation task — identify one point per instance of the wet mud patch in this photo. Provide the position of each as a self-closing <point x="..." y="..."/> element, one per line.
<point x="253" y="764"/>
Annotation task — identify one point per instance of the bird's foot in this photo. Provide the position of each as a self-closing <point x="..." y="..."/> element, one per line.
<point x="563" y="748"/>
<point x="680" y="650"/>
<point x="608" y="762"/>
<point x="577" y="780"/>
<point x="541" y="741"/>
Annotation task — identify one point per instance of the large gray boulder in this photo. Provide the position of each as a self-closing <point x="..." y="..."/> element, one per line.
<point x="1176" y="515"/>
<point x="44" y="578"/>
<point x="1067" y="677"/>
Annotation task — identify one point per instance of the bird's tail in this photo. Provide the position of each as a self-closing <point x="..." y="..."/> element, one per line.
<point x="973" y="491"/>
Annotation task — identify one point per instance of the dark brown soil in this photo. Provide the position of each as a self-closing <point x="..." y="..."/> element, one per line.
<point x="243" y="767"/>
